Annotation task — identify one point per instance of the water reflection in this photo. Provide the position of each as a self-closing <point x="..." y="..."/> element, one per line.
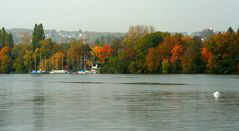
<point x="156" y="109"/>
<point x="110" y="106"/>
<point x="38" y="106"/>
<point x="6" y="103"/>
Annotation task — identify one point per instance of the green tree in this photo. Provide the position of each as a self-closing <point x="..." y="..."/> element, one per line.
<point x="230" y="30"/>
<point x="114" y="66"/>
<point x="165" y="66"/>
<point x="131" y="54"/>
<point x="47" y="48"/>
<point x="18" y="52"/>
<point x="10" y="40"/>
<point x="37" y="36"/>
<point x="29" y="59"/>
<point x="3" y="37"/>
<point x="6" y="39"/>
<point x="146" y="42"/>
<point x="117" y="44"/>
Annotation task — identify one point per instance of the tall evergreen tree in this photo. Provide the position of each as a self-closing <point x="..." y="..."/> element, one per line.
<point x="41" y="32"/>
<point x="6" y="39"/>
<point x="10" y="40"/>
<point x="34" y="38"/>
<point x="238" y="30"/>
<point x="37" y="36"/>
<point x="1" y="42"/>
<point x="230" y="30"/>
<point x="3" y="36"/>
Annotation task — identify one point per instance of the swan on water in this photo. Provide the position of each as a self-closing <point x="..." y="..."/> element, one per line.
<point x="216" y="94"/>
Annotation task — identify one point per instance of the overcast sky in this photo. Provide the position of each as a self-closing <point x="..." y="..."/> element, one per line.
<point x="118" y="15"/>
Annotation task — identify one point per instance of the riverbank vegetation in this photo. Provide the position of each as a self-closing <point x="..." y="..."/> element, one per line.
<point x="142" y="50"/>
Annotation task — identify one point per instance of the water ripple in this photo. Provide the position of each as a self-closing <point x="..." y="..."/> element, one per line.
<point x="124" y="83"/>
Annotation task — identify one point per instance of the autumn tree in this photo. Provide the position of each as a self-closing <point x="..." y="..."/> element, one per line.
<point x="57" y="61"/>
<point x="146" y="42"/>
<point x="102" y="53"/>
<point x="130" y="54"/>
<point x="176" y="53"/>
<point x="224" y="53"/>
<point x="162" y="51"/>
<point x="207" y="57"/>
<point x="45" y="65"/>
<point x="5" y="60"/>
<point x="191" y="58"/>
<point x="142" y="50"/>
<point x="176" y="57"/>
<point x="153" y="60"/>
<point x="78" y="55"/>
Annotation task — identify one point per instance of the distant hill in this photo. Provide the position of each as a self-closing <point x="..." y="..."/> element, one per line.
<point x="21" y="34"/>
<point x="204" y="34"/>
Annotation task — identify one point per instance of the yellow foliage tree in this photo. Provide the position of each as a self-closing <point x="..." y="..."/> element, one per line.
<point x="44" y="65"/>
<point x="5" y="60"/>
<point x="57" y="60"/>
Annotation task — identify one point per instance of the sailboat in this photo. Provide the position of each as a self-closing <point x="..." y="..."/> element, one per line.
<point x="62" y="71"/>
<point x="84" y="71"/>
<point x="38" y="71"/>
<point x="35" y="71"/>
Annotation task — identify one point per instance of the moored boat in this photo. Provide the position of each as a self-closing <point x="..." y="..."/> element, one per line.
<point x="58" y="72"/>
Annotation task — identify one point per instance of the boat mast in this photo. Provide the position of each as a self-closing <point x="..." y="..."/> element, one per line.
<point x="62" y="61"/>
<point x="84" y="61"/>
<point x="35" y="63"/>
<point x="40" y="61"/>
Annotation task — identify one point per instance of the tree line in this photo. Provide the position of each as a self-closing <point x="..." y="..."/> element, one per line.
<point x="142" y="50"/>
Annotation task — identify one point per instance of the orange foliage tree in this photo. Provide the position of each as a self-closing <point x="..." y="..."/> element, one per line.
<point x="176" y="53"/>
<point x="155" y="55"/>
<point x="152" y="61"/>
<point x="44" y="64"/>
<point x="207" y="57"/>
<point x="102" y="53"/>
<point x="187" y="39"/>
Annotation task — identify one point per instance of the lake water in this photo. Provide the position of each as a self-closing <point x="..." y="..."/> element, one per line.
<point x="119" y="102"/>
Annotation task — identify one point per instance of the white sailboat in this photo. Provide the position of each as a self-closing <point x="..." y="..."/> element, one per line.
<point x="62" y="71"/>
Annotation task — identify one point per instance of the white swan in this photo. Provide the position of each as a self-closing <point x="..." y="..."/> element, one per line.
<point x="216" y="94"/>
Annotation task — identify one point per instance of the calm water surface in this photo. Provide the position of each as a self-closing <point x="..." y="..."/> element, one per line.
<point x="119" y="102"/>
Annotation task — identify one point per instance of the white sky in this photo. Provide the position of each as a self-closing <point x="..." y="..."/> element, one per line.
<point x="118" y="15"/>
